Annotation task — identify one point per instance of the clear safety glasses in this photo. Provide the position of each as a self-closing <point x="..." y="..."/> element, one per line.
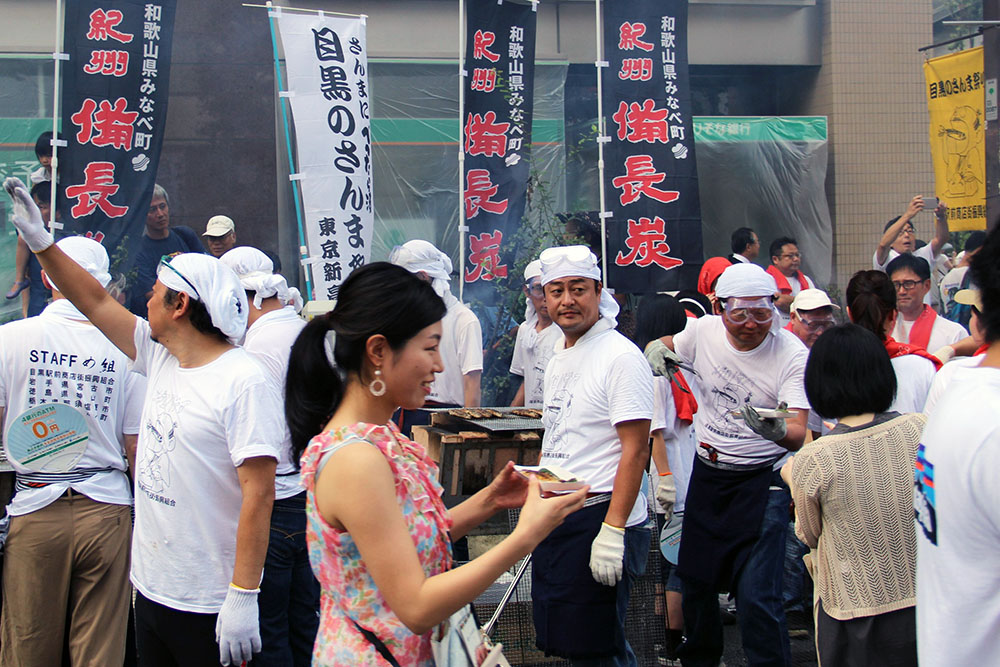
<point x="739" y="311"/>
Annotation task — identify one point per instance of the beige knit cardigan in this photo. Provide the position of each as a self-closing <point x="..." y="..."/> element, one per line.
<point x="853" y="497"/>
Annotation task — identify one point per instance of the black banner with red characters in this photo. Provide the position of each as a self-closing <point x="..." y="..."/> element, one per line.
<point x="496" y="131"/>
<point x="651" y="181"/>
<point x="114" y="110"/>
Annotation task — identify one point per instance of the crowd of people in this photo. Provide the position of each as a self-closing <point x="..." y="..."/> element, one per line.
<point x="284" y="516"/>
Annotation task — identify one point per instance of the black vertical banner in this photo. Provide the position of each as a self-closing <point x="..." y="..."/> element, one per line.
<point x="496" y="131"/>
<point x="651" y="180"/>
<point x="114" y="110"/>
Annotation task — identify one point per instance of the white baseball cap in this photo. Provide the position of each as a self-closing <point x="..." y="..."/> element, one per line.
<point x="811" y="299"/>
<point x="219" y="225"/>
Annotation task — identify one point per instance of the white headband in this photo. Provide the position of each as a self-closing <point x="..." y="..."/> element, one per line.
<point x="89" y="254"/>
<point x="256" y="273"/>
<point x="418" y="255"/>
<point x="206" y="279"/>
<point x="565" y="261"/>
<point x="745" y="280"/>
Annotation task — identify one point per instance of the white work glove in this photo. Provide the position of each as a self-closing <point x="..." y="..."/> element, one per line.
<point x="607" y="555"/>
<point x="238" y="629"/>
<point x="773" y="429"/>
<point x="666" y="495"/>
<point x="661" y="358"/>
<point x="27" y="217"/>
<point x="944" y="354"/>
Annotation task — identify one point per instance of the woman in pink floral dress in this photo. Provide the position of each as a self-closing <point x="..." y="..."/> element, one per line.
<point x="379" y="535"/>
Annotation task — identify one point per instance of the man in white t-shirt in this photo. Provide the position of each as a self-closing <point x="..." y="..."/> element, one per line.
<point x="917" y="323"/>
<point x="598" y="406"/>
<point x="900" y="237"/>
<point x="737" y="505"/>
<point x="208" y="445"/>
<point x="535" y="342"/>
<point x="461" y="336"/>
<point x="289" y="592"/>
<point x="67" y="557"/>
<point x="955" y="280"/>
<point x="944" y="377"/>
<point x="955" y="499"/>
<point x="786" y="261"/>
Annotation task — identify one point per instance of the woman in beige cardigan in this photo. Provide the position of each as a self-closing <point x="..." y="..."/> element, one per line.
<point x="853" y="493"/>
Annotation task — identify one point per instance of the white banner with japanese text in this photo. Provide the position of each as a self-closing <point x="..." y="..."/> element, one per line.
<point x="327" y="65"/>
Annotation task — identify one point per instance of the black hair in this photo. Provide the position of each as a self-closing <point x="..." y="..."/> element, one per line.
<point x="779" y="243"/>
<point x="42" y="191"/>
<point x="197" y="314"/>
<point x="694" y="302"/>
<point x="975" y="241"/>
<point x="985" y="270"/>
<point x="891" y="223"/>
<point x="657" y="315"/>
<point x="740" y="239"/>
<point x="377" y="298"/>
<point x="43" y="145"/>
<point x="918" y="265"/>
<point x="871" y="299"/>
<point x="849" y="373"/>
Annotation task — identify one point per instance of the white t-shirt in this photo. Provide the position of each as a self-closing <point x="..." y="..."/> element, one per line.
<point x="944" y="332"/>
<point x="924" y="252"/>
<point x="958" y="527"/>
<point x="943" y="378"/>
<point x="601" y="381"/>
<point x="58" y="357"/>
<point x="532" y="351"/>
<point x="270" y="341"/>
<point x="951" y="283"/>
<point x="914" y="376"/>
<point x="770" y="373"/>
<point x="198" y="425"/>
<point x="461" y="353"/>
<point x="678" y="437"/>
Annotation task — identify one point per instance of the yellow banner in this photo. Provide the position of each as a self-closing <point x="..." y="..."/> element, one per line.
<point x="957" y="131"/>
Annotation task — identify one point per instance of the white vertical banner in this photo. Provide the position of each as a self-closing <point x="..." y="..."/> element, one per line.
<point x="327" y="64"/>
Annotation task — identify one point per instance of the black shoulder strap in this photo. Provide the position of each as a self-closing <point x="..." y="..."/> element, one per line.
<point x="379" y="645"/>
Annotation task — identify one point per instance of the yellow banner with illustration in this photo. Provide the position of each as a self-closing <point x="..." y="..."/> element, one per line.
<point x="957" y="132"/>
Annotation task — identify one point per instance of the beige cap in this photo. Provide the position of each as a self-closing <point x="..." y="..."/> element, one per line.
<point x="970" y="297"/>
<point x="811" y="299"/>
<point x="219" y="225"/>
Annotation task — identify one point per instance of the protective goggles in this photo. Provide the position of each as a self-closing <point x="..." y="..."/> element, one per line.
<point x="817" y="323"/>
<point x="740" y="310"/>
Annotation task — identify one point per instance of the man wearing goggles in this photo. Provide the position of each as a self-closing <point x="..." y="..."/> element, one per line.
<point x="736" y="514"/>
<point x="812" y="314"/>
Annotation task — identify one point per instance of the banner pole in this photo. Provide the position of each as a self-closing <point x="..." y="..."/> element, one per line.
<point x="303" y="252"/>
<point x="461" y="150"/>
<point x="599" y="65"/>
<point x="56" y="59"/>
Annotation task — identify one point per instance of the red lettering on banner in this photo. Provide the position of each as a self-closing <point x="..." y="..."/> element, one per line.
<point x="628" y="37"/>
<point x="481" y="42"/>
<point x="484" y="79"/>
<point x="113" y="123"/>
<point x="107" y="63"/>
<point x="647" y="243"/>
<point x="99" y="236"/>
<point x="485" y="136"/>
<point x="484" y="255"/>
<point x="639" y="179"/>
<point x="102" y="26"/>
<point x="99" y="184"/>
<point x="642" y="122"/>
<point x="478" y="191"/>
<point x="636" y="69"/>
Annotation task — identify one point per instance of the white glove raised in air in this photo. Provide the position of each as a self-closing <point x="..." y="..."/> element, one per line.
<point x="238" y="628"/>
<point x="666" y="494"/>
<point x="27" y="217"/>
<point x="661" y="358"/>
<point x="774" y="429"/>
<point x="607" y="555"/>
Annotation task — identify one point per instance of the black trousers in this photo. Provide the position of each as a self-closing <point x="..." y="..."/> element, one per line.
<point x="168" y="637"/>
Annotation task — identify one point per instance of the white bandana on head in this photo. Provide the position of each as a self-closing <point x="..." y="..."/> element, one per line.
<point x="748" y="281"/>
<point x="418" y="255"/>
<point x="577" y="261"/>
<point x="256" y="273"/>
<point x="532" y="270"/>
<point x="89" y="254"/>
<point x="206" y="279"/>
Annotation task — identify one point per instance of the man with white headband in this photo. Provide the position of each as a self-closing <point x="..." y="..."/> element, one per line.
<point x="461" y="336"/>
<point x="737" y="505"/>
<point x="289" y="592"/>
<point x="598" y="406"/>
<point x="209" y="440"/>
<point x="535" y="342"/>
<point x="66" y="559"/>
